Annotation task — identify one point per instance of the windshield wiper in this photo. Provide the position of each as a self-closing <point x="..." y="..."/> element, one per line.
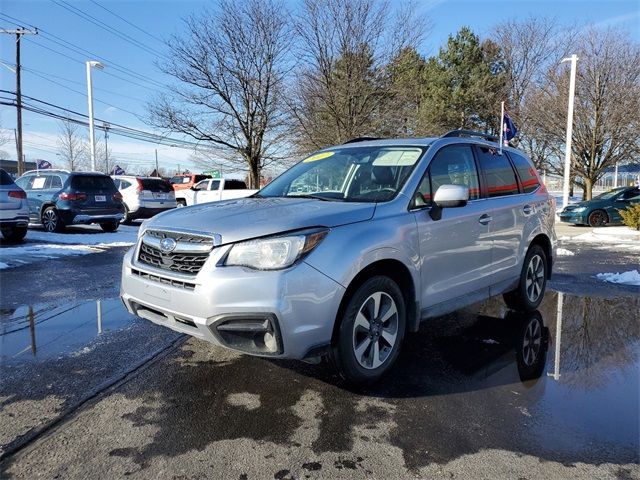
<point x="316" y="197"/>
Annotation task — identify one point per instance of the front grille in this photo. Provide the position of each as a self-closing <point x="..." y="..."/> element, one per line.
<point x="189" y="263"/>
<point x="165" y="281"/>
<point x="181" y="237"/>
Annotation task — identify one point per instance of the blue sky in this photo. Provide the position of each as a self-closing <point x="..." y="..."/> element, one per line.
<point x="61" y="79"/>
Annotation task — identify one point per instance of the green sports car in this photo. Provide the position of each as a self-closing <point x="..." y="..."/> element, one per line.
<point x="603" y="209"/>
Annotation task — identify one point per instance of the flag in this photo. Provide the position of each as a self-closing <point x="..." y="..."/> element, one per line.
<point x="43" y="165"/>
<point x="117" y="170"/>
<point x="509" y="128"/>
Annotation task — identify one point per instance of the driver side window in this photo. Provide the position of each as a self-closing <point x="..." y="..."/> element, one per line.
<point x="452" y="165"/>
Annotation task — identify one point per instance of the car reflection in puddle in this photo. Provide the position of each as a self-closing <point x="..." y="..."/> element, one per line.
<point x="36" y="333"/>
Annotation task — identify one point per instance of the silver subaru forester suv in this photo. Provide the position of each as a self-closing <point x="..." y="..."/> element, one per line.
<point x="348" y="250"/>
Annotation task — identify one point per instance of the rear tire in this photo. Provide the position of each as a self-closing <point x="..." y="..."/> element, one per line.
<point x="533" y="281"/>
<point x="371" y="331"/>
<point x="127" y="216"/>
<point x="109" y="226"/>
<point x="51" y="221"/>
<point x="598" y="218"/>
<point x="15" y="234"/>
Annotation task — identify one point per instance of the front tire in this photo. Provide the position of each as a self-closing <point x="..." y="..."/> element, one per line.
<point x="371" y="331"/>
<point x="51" y="221"/>
<point x="15" y="234"/>
<point x="598" y="218"/>
<point x="109" y="226"/>
<point x="533" y="281"/>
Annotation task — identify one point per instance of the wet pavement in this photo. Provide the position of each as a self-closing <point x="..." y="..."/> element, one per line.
<point x="480" y="393"/>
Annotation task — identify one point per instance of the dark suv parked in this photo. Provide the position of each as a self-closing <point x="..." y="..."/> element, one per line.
<point x="58" y="198"/>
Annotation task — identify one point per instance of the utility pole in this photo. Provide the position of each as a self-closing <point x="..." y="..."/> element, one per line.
<point x="567" y="153"/>
<point x="106" y="127"/>
<point x="157" y="172"/>
<point x="18" y="33"/>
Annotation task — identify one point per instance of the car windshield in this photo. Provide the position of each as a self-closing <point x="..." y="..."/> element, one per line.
<point x="608" y="195"/>
<point x="353" y="174"/>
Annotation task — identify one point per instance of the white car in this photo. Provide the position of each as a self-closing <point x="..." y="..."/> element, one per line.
<point x="212" y="190"/>
<point x="14" y="212"/>
<point x="144" y="197"/>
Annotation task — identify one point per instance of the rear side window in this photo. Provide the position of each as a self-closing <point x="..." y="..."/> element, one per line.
<point x="500" y="177"/>
<point x="54" y="182"/>
<point x="201" y="177"/>
<point x="156" y="185"/>
<point x="88" y="183"/>
<point x="5" y="178"/>
<point x="526" y="172"/>
<point x="234" y="185"/>
<point x="23" y="182"/>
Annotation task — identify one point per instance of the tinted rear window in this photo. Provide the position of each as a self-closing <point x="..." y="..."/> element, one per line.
<point x="5" y="178"/>
<point x="201" y="177"/>
<point x="500" y="177"/>
<point x="526" y="171"/>
<point x="156" y="185"/>
<point x="234" y="185"/>
<point x="88" y="183"/>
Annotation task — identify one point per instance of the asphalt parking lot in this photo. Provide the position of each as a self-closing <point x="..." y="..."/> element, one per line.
<point x="89" y="391"/>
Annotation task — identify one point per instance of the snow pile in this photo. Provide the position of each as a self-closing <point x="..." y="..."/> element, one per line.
<point x="626" y="278"/>
<point x="32" y="253"/>
<point x="563" y="252"/>
<point x="88" y="235"/>
<point x="622" y="237"/>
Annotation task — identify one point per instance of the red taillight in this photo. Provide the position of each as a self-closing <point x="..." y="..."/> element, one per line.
<point x="139" y="188"/>
<point x="73" y="196"/>
<point x="17" y="194"/>
<point x="117" y="197"/>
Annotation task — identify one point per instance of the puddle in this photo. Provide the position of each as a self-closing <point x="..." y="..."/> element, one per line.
<point x="39" y="332"/>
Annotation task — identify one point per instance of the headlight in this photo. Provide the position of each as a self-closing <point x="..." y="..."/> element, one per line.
<point x="274" y="253"/>
<point x="579" y="209"/>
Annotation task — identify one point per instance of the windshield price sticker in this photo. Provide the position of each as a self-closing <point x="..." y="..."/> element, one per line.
<point x="319" y="156"/>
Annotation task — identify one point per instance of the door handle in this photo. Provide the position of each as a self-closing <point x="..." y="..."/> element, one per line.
<point x="485" y="219"/>
<point x="527" y="209"/>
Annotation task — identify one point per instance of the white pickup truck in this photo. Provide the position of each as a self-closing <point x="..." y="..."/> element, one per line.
<point x="212" y="190"/>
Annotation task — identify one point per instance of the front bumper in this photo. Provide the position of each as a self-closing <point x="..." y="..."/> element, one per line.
<point x="573" y="217"/>
<point x="298" y="306"/>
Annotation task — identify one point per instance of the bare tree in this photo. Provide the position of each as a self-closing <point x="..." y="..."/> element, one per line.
<point x="607" y="105"/>
<point x="231" y="66"/>
<point x="344" y="47"/>
<point x="72" y="146"/>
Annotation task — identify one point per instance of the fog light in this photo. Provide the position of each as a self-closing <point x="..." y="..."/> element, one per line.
<point x="270" y="342"/>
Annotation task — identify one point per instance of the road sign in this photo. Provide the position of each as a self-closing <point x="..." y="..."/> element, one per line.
<point x="213" y="173"/>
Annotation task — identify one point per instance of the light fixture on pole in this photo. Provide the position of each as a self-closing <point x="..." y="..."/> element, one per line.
<point x="92" y="136"/>
<point x="567" y="152"/>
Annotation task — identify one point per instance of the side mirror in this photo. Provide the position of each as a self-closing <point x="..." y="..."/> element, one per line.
<point x="448" y="196"/>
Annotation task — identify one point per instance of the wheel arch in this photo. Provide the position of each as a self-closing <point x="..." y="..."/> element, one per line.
<point x="399" y="273"/>
<point x="543" y="241"/>
<point x="44" y="206"/>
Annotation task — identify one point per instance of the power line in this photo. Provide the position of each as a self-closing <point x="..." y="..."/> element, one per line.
<point x="90" y="18"/>
<point x="48" y="36"/>
<point x="128" y="22"/>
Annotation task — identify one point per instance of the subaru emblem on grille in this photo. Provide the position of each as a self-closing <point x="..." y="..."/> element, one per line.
<point x="168" y="245"/>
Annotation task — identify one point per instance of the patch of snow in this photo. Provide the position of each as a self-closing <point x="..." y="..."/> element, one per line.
<point x="624" y="238"/>
<point x="563" y="252"/>
<point x="490" y="341"/>
<point x="626" y="278"/>
<point x="126" y="235"/>
<point x="31" y="253"/>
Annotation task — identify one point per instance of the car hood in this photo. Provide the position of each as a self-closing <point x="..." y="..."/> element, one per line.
<point x="585" y="203"/>
<point x="246" y="218"/>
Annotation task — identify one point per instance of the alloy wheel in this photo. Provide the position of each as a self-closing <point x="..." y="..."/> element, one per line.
<point x="375" y="330"/>
<point x="50" y="220"/>
<point x="532" y="342"/>
<point x="535" y="278"/>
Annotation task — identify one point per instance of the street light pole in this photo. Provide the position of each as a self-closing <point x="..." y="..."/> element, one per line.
<point x="567" y="152"/>
<point x="92" y="135"/>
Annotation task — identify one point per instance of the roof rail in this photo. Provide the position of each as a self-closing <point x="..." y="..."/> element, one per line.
<point x="44" y="170"/>
<point x="470" y="133"/>
<point x="361" y="139"/>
